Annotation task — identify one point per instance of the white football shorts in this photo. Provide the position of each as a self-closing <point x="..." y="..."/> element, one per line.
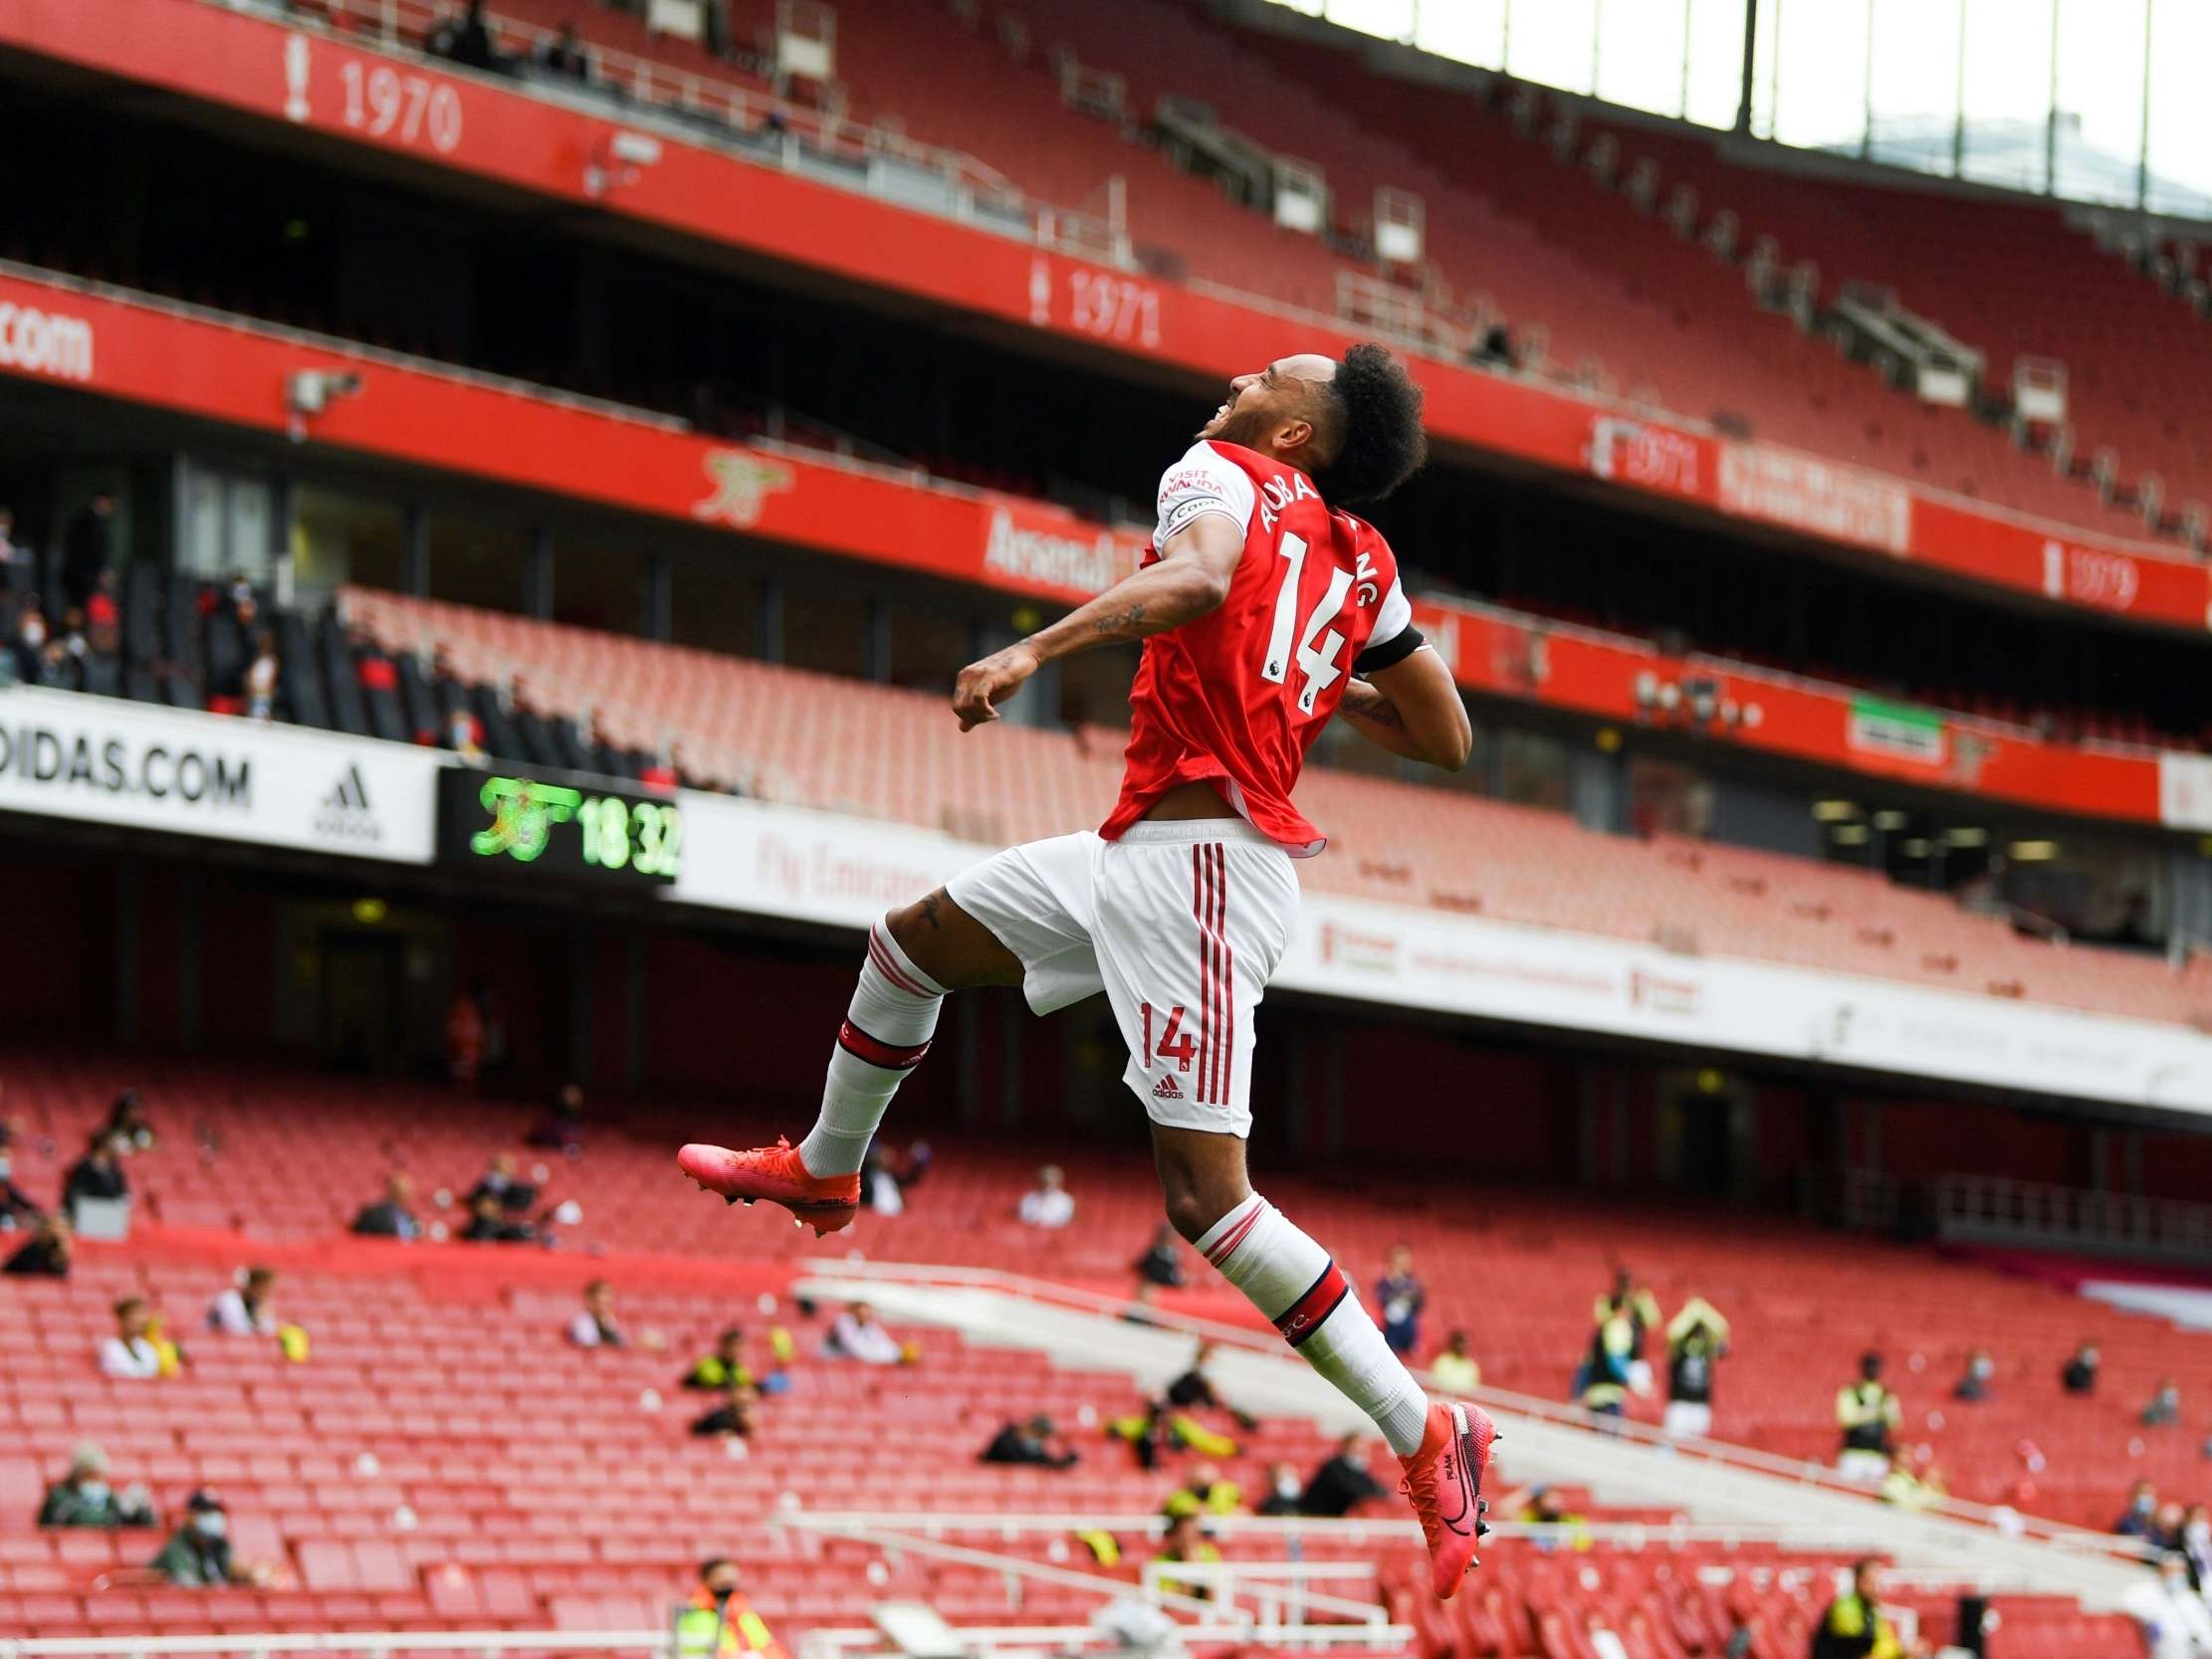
<point x="1179" y="923"/>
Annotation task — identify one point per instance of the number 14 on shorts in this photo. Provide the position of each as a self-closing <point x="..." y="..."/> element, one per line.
<point x="1175" y="1043"/>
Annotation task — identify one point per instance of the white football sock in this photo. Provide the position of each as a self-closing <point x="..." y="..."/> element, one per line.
<point x="1291" y="1280"/>
<point x="886" y="1032"/>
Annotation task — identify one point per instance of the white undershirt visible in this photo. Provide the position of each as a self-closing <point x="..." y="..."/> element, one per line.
<point x="139" y="1360"/>
<point x="1048" y="1207"/>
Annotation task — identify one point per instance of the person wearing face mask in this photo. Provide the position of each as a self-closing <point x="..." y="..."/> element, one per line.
<point x="720" y="1622"/>
<point x="84" y="1497"/>
<point x="1972" y="1386"/>
<point x="2195" y="1543"/>
<point x="2079" y="1373"/>
<point x="2174" y="1617"/>
<point x="2140" y="1518"/>
<point x="16" y="1207"/>
<point x="1869" y="1415"/>
<point x="46" y="1256"/>
<point x="98" y="1174"/>
<point x="29" y="640"/>
<point x="198" y="1556"/>
<point x="2164" y="1407"/>
<point x="1283" y="1488"/>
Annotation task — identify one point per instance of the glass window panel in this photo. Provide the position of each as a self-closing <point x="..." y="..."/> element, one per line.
<point x="714" y="605"/>
<point x="1550" y="42"/>
<point x="1391" y="19"/>
<point x="338" y="539"/>
<point x="477" y="564"/>
<point x="2008" y="91"/>
<point x="1715" y="60"/>
<point x="1913" y="99"/>
<point x="1639" y="54"/>
<point x="1472" y="30"/>
<point x="826" y="632"/>
<point x="2100" y="98"/>
<point x="598" y="587"/>
<point x="2180" y="113"/>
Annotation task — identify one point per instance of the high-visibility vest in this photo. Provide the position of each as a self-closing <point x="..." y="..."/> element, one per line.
<point x="733" y="1633"/>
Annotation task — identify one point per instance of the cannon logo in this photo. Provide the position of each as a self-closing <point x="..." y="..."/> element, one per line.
<point x="45" y="342"/>
<point x="742" y="486"/>
<point x="523" y="817"/>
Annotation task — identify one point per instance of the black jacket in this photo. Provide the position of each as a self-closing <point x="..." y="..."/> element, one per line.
<point x="1336" y="1486"/>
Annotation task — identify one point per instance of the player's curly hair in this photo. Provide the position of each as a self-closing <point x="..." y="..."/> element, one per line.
<point x="1377" y="442"/>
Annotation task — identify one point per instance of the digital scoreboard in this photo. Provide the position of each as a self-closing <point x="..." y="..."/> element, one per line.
<point x="534" y="828"/>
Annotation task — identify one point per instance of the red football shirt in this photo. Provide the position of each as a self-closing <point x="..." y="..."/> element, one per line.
<point x="1238" y="696"/>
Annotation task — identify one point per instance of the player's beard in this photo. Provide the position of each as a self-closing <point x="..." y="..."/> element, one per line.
<point x="1249" y="427"/>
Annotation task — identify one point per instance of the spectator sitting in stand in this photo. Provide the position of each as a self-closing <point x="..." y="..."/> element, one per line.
<point x="98" y="1174"/>
<point x="1401" y="1297"/>
<point x="1186" y="1544"/>
<point x="593" y="1323"/>
<point x="736" y="1418"/>
<point x="28" y="644"/>
<point x="1853" y="1626"/>
<point x="856" y="1335"/>
<point x="104" y="605"/>
<point x="1195" y="1388"/>
<point x="1284" y="1489"/>
<point x="134" y="1353"/>
<point x="85" y="547"/>
<point x="82" y="1496"/>
<point x="499" y="1181"/>
<point x="880" y="1188"/>
<point x="1162" y="1263"/>
<point x="243" y="1310"/>
<point x="1541" y="1505"/>
<point x="1640" y="1307"/>
<point x="16" y="1206"/>
<point x="565" y="56"/>
<point x="126" y="1124"/>
<point x="46" y="1254"/>
<point x="261" y="677"/>
<point x="1455" y="1368"/>
<point x="11" y="552"/>
<point x="2079" y="1374"/>
<point x="2195" y="1542"/>
<point x="391" y="1216"/>
<point x="1341" y="1483"/>
<point x="2170" y="1612"/>
<point x="1973" y="1385"/>
<point x="198" y="1554"/>
<point x="467" y="40"/>
<point x="1048" y="1203"/>
<point x="1869" y="1415"/>
<point x="1605" y="1378"/>
<point x="489" y="1223"/>
<point x="725" y="1365"/>
<point x="2164" y="1407"/>
<point x="1033" y="1442"/>
<point x="2140" y="1518"/>
<point x="719" y="1622"/>
<point x="1207" y="1492"/>
<point x="561" y="1129"/>
<point x="1695" y="1341"/>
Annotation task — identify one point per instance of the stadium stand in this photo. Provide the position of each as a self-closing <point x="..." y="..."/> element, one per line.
<point x="1521" y="229"/>
<point x="1393" y="841"/>
<point x="256" y="1161"/>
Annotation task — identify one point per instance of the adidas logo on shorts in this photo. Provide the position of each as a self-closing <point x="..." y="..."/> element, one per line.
<point x="1165" y="1090"/>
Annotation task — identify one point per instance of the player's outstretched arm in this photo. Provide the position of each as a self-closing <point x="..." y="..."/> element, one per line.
<point x="1191" y="579"/>
<point x="1412" y="709"/>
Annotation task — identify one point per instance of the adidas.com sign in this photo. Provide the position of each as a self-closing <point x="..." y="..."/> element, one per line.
<point x="345" y="813"/>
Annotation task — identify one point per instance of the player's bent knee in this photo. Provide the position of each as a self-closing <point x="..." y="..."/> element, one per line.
<point x="952" y="946"/>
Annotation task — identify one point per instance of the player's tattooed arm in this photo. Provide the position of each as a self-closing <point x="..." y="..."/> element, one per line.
<point x="1192" y="579"/>
<point x="930" y="907"/>
<point x="1417" y="713"/>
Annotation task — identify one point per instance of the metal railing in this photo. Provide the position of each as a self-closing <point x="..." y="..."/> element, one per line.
<point x="850" y="1281"/>
<point x="372" y="1643"/>
<point x="763" y="127"/>
<point x="1993" y="1210"/>
<point x="1281" y="1596"/>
